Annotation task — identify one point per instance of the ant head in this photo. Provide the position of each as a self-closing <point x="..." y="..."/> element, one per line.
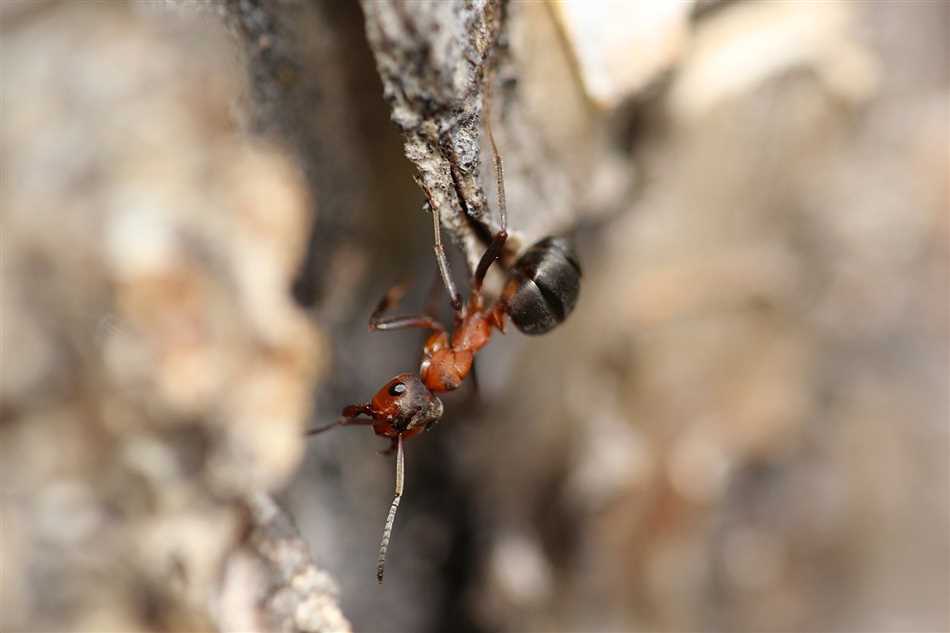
<point x="407" y="404"/>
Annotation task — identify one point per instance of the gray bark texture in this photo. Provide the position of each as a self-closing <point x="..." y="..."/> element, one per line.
<point x="433" y="59"/>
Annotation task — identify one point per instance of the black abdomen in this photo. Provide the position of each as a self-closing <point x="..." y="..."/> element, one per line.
<point x="548" y="280"/>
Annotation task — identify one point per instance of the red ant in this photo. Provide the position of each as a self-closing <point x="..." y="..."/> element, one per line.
<point x="541" y="291"/>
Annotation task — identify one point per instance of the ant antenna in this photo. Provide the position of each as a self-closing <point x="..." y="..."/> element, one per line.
<point x="388" y="529"/>
<point x="327" y="427"/>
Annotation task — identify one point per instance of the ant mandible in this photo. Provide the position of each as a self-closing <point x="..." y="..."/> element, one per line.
<point x="540" y="292"/>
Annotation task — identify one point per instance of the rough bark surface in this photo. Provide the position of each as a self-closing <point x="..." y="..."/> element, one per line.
<point x="433" y="58"/>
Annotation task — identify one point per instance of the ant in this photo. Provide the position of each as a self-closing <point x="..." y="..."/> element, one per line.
<point x="540" y="292"/>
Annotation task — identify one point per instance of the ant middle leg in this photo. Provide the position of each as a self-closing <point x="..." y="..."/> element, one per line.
<point x="390" y="300"/>
<point x="432" y="297"/>
<point x="455" y="299"/>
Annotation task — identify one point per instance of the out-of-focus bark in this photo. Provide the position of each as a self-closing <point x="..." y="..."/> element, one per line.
<point x="156" y="375"/>
<point x="744" y="425"/>
<point x="313" y="88"/>
<point x="271" y="583"/>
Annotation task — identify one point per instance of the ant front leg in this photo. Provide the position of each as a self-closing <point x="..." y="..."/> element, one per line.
<point x="390" y="300"/>
<point x="455" y="299"/>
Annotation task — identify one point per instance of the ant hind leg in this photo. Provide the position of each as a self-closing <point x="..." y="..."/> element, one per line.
<point x="492" y="253"/>
<point x="497" y="245"/>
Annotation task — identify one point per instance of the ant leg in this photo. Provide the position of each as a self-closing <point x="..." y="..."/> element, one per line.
<point x="431" y="307"/>
<point x="497" y="245"/>
<point x="378" y="322"/>
<point x="391" y="518"/>
<point x="423" y="321"/>
<point x="492" y="253"/>
<point x="342" y="421"/>
<point x="455" y="299"/>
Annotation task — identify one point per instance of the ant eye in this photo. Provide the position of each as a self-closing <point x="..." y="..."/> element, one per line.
<point x="397" y="390"/>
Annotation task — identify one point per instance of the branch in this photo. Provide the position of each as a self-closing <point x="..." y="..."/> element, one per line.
<point x="299" y="597"/>
<point x="432" y="58"/>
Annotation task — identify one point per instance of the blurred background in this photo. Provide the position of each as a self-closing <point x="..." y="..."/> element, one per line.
<point x="744" y="426"/>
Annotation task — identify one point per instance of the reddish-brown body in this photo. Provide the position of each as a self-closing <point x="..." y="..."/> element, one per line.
<point x="447" y="360"/>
